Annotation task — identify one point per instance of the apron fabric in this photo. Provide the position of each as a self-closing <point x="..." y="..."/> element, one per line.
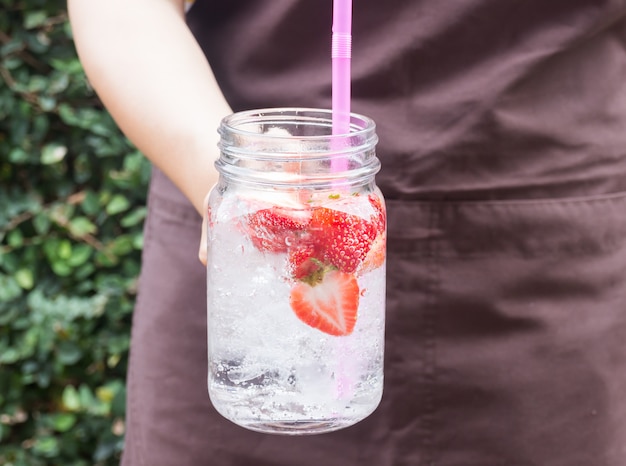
<point x="504" y="169"/>
<point x="506" y="324"/>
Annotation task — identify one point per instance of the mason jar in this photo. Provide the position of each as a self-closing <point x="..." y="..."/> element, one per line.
<point x="296" y="272"/>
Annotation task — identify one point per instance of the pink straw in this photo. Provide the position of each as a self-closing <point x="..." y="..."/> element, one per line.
<point x="341" y="55"/>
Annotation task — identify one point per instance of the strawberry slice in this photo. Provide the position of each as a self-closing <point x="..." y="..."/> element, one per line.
<point x="273" y="229"/>
<point x="376" y="256"/>
<point x="342" y="240"/>
<point x="328" y="304"/>
<point x="379" y="216"/>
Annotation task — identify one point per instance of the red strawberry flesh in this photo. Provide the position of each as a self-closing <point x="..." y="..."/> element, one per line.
<point x="329" y="305"/>
<point x="273" y="229"/>
<point x="303" y="262"/>
<point x="342" y="240"/>
<point x="379" y="217"/>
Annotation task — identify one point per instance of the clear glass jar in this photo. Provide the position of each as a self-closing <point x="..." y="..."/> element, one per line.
<point x="296" y="273"/>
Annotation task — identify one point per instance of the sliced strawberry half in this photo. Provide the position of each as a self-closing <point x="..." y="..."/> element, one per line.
<point x="328" y="304"/>
<point x="273" y="229"/>
<point x="342" y="239"/>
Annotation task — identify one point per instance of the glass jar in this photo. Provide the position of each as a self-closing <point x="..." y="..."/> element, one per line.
<point x="296" y="273"/>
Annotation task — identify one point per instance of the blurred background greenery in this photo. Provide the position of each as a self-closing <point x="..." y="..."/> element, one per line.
<point x="72" y="196"/>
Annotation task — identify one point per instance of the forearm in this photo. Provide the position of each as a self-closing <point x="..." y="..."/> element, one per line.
<point x="152" y="76"/>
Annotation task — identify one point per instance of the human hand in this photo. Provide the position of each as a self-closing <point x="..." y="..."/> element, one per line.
<point x="202" y="251"/>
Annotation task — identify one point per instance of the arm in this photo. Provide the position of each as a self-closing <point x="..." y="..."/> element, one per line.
<point x="154" y="79"/>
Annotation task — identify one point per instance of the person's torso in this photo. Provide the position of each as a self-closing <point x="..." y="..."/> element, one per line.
<point x="473" y="99"/>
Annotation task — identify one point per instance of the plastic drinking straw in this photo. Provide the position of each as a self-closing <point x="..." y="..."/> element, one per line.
<point x="341" y="56"/>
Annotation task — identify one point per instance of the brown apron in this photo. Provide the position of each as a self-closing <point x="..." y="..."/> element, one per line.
<point x="503" y="143"/>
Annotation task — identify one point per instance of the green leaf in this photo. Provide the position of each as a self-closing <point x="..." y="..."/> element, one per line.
<point x="50" y="249"/>
<point x="58" y="83"/>
<point x="63" y="422"/>
<point x="47" y="103"/>
<point x="80" y="254"/>
<point x="70" y="65"/>
<point x="9" y="288"/>
<point x="113" y="360"/>
<point x="106" y="260"/>
<point x="18" y="155"/>
<point x="67" y="113"/>
<point x="7" y="316"/>
<point x="61" y="213"/>
<point x="105" y="394"/>
<point x="91" y="203"/>
<point x="61" y="268"/>
<point x="37" y="84"/>
<point x="15" y="238"/>
<point x="68" y="353"/>
<point x="9" y="356"/>
<point x="47" y="446"/>
<point x="64" y="250"/>
<point x="41" y="126"/>
<point x="87" y="399"/>
<point x="42" y="223"/>
<point x="84" y="271"/>
<point x="11" y="47"/>
<point x="43" y="377"/>
<point x="71" y="399"/>
<point x="81" y="226"/>
<point x="30" y="342"/>
<point x="138" y="241"/>
<point x="105" y="450"/>
<point x="118" y="405"/>
<point x="134" y="218"/>
<point x="34" y="19"/>
<point x="117" y="204"/>
<point x="53" y="153"/>
<point x="25" y="278"/>
<point x="122" y="245"/>
<point x="12" y="63"/>
<point x="9" y="262"/>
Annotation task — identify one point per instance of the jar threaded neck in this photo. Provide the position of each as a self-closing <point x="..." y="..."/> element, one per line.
<point x="287" y="146"/>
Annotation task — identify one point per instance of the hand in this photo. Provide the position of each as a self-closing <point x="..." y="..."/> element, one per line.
<point x="202" y="252"/>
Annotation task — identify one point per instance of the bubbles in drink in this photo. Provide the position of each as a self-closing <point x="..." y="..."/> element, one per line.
<point x="296" y="293"/>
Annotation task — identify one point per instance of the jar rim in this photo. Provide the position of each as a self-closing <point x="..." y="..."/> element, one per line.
<point x="256" y="142"/>
<point x="360" y="125"/>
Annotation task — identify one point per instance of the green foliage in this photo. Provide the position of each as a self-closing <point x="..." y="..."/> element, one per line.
<point x="72" y="191"/>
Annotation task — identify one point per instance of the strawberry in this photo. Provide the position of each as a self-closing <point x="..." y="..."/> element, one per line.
<point x="379" y="216"/>
<point x="303" y="261"/>
<point x="342" y="240"/>
<point x="273" y="229"/>
<point x="328" y="303"/>
<point x="376" y="255"/>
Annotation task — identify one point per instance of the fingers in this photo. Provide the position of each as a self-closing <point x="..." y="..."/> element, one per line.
<point x="202" y="251"/>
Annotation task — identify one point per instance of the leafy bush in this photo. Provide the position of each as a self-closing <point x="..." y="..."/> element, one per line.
<point x="72" y="196"/>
